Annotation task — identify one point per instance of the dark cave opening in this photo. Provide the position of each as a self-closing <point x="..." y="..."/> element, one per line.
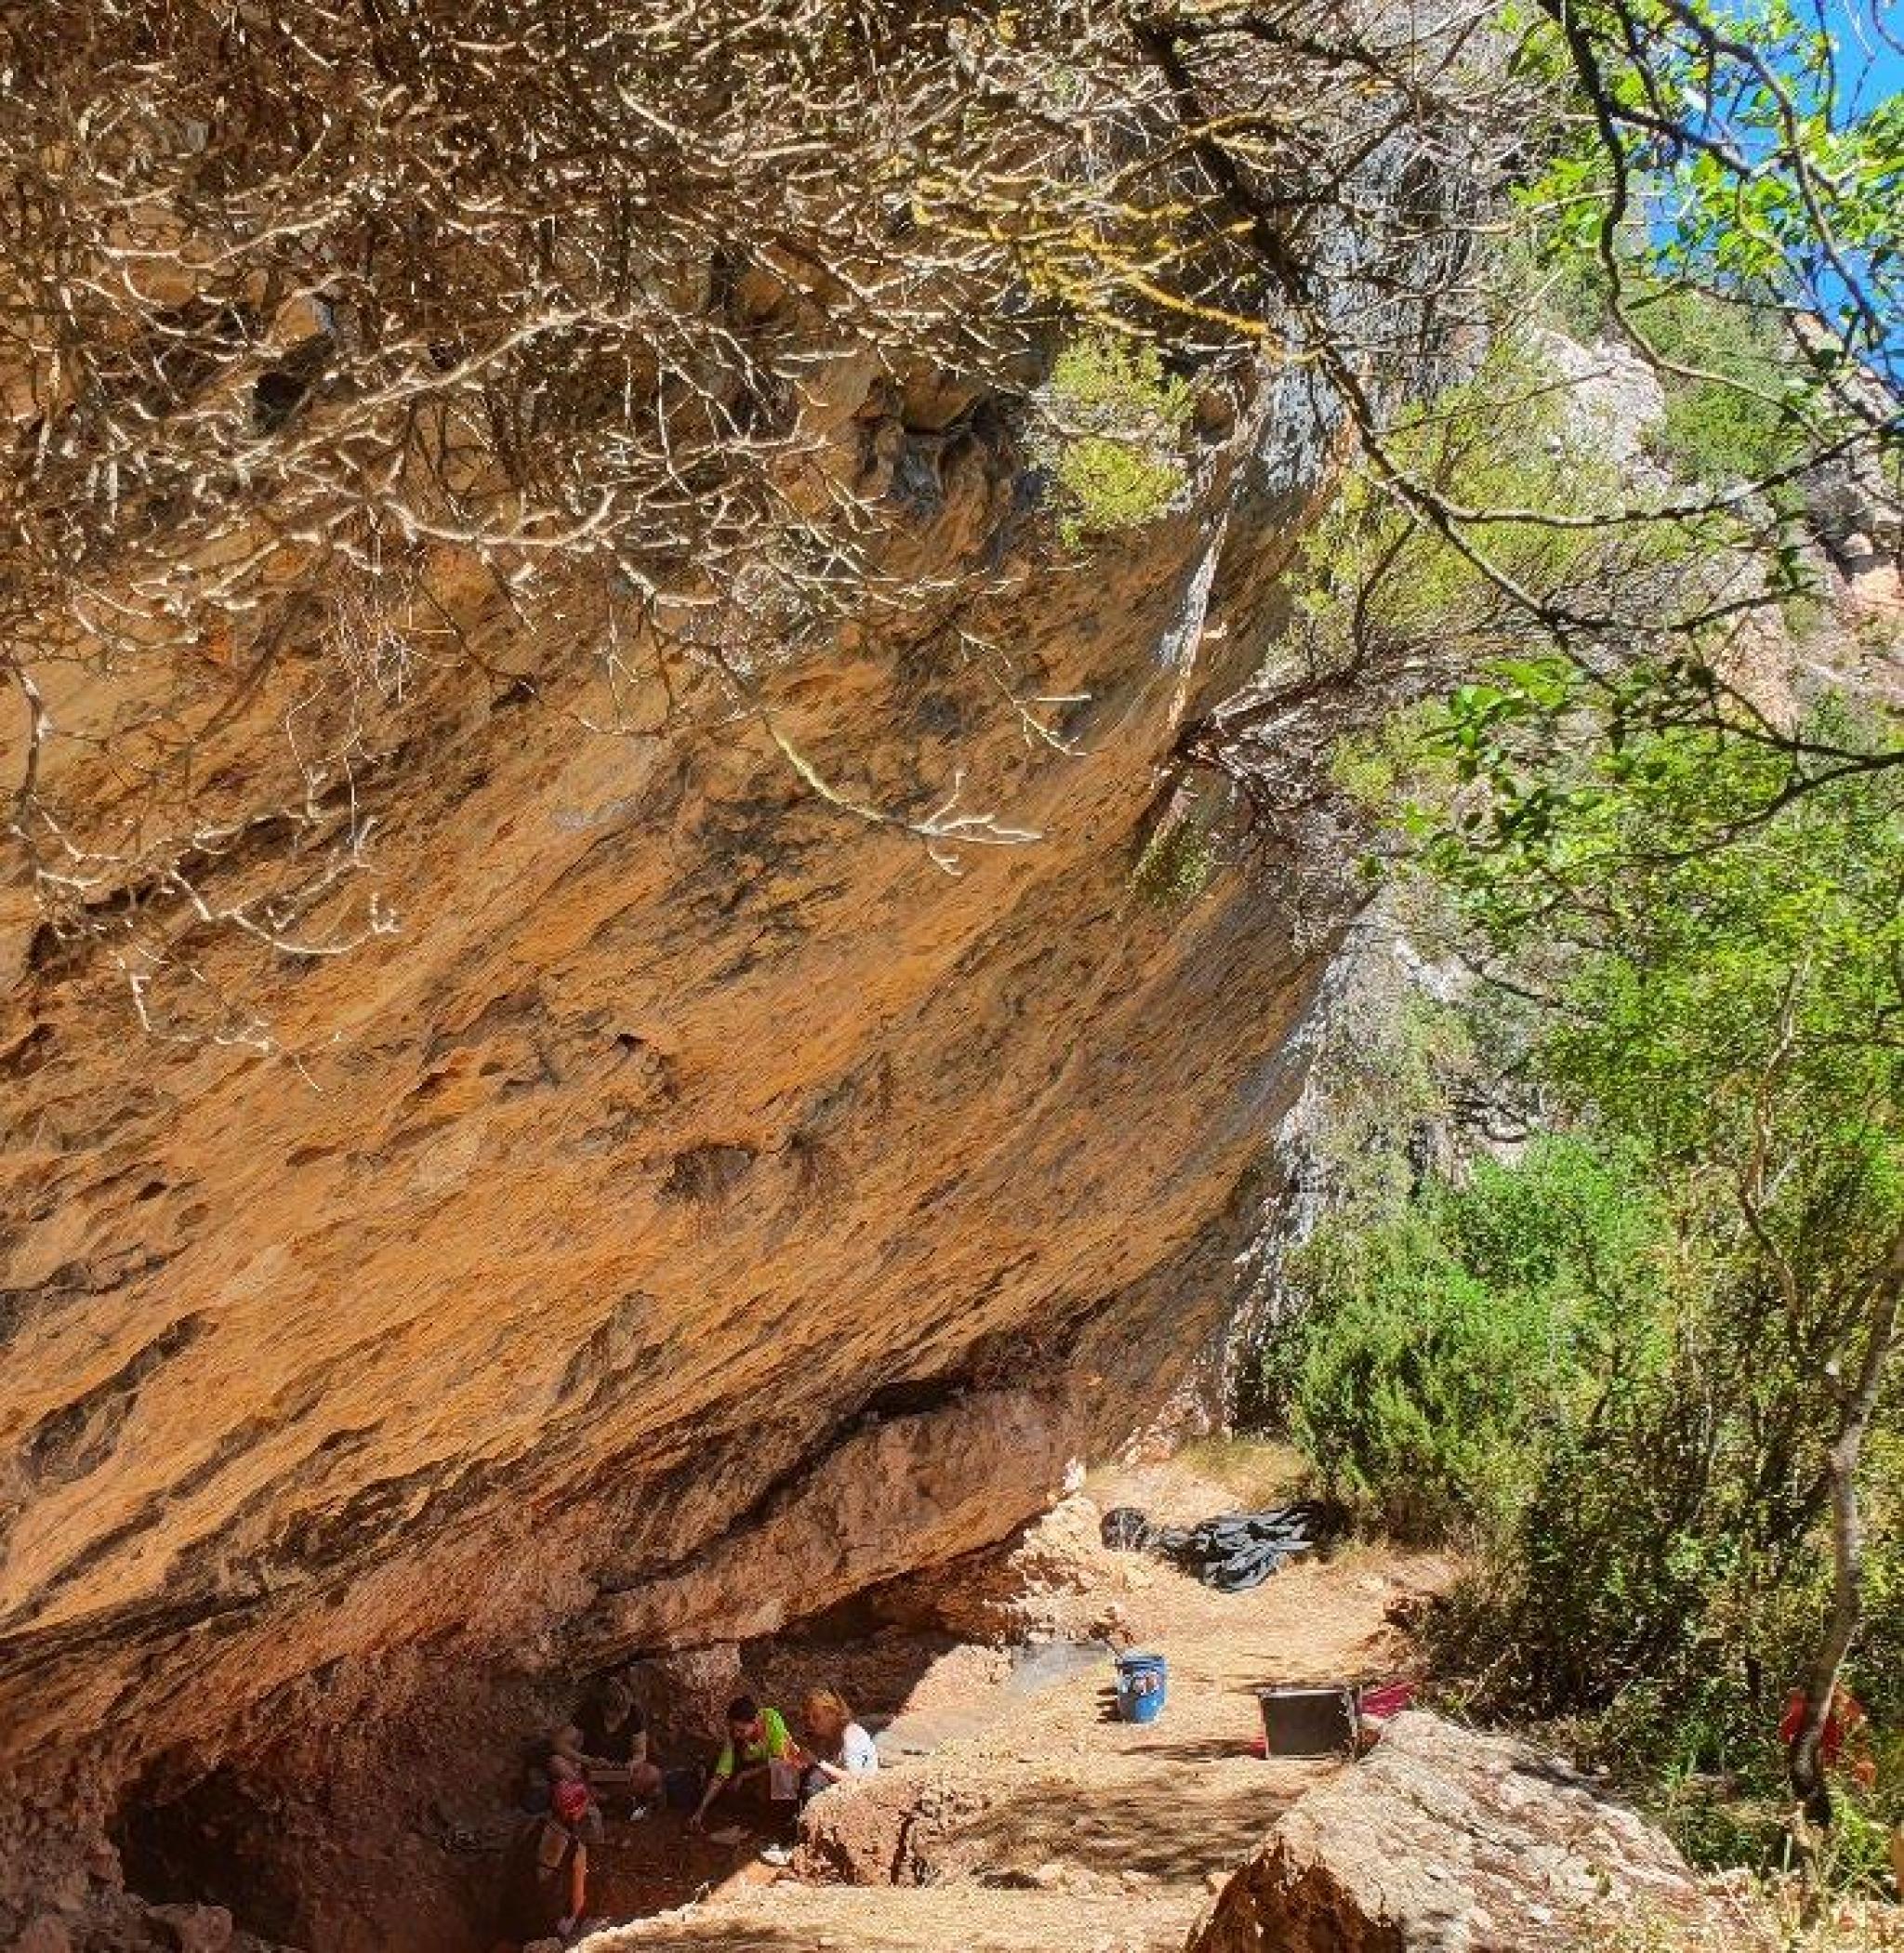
<point x="205" y="1841"/>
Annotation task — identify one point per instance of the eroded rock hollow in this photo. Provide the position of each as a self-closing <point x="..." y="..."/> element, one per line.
<point x="701" y="1209"/>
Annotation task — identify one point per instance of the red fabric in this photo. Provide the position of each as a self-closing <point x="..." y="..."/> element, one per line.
<point x="1373" y="1705"/>
<point x="1845" y="1715"/>
<point x="571" y="1800"/>
<point x="1379" y="1704"/>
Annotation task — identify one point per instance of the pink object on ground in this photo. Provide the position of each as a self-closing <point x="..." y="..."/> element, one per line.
<point x="1374" y="1706"/>
<point x="1377" y="1705"/>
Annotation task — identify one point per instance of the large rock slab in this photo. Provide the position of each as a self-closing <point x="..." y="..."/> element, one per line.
<point x="1448" y="1840"/>
<point x="701" y="1211"/>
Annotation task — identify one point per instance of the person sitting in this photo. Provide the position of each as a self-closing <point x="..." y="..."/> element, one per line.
<point x="609" y="1744"/>
<point x="546" y="1872"/>
<point x="837" y="1749"/>
<point x="757" y="1740"/>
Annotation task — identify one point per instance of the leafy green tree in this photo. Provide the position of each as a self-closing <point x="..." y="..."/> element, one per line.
<point x="1712" y="188"/>
<point x="1449" y="1343"/>
<point x="1727" y="1002"/>
<point x="1732" y="149"/>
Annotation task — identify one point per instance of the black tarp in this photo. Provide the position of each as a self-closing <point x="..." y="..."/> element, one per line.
<point x="1232" y="1553"/>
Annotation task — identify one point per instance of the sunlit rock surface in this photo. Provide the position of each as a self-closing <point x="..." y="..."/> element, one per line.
<point x="703" y="1208"/>
<point x="1448" y="1841"/>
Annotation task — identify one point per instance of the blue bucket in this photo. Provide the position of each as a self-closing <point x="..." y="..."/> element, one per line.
<point x="1144" y="1684"/>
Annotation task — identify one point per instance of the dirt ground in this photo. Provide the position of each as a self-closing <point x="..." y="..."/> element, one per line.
<point x="1038" y="1820"/>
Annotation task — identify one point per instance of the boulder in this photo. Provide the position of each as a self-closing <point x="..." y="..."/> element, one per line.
<point x="192" y="1929"/>
<point x="1448" y="1840"/>
<point x="1611" y="401"/>
<point x="46" y="1934"/>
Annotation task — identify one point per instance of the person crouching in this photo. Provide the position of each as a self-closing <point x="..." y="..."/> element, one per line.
<point x="757" y="1741"/>
<point x="837" y="1749"/>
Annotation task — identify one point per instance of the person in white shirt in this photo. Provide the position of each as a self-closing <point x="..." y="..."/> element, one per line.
<point x="837" y="1749"/>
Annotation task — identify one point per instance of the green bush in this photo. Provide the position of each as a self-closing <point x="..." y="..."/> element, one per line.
<point x="1739" y="424"/>
<point x="1176" y="862"/>
<point x="1114" y="435"/>
<point x="1411" y="1398"/>
<point x="1371" y="576"/>
<point x="1444" y="1348"/>
<point x="1112" y="486"/>
<point x="1736" y="426"/>
<point x="1718" y="972"/>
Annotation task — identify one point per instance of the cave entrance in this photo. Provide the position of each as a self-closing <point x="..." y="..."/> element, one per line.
<point x="329" y="1865"/>
<point x="416" y="1864"/>
<point x="205" y="1841"/>
<point x="655" y="1864"/>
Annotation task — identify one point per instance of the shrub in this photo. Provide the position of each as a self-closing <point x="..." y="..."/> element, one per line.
<point x="1410" y="1389"/>
<point x="1443" y="1350"/>
<point x="1114" y="435"/>
<point x="1176" y="862"/>
<point x="1372" y="579"/>
<point x="1734" y="427"/>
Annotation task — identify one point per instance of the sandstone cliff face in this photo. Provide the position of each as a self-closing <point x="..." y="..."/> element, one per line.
<point x="701" y="1211"/>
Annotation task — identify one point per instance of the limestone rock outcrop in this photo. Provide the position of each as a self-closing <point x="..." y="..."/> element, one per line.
<point x="1447" y="1842"/>
<point x="701" y="1211"/>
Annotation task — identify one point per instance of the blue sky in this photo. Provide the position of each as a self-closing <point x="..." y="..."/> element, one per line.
<point x="1868" y="39"/>
<point x="1869" y="35"/>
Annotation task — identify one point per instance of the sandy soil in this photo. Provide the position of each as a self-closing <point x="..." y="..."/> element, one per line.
<point x="1041" y="1821"/>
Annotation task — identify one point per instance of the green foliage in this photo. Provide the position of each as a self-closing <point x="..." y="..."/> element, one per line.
<point x="1743" y="422"/>
<point x="1857" y="1852"/>
<point x="1778" y="186"/>
<point x="1564" y="290"/>
<point x="1710" y="909"/>
<point x="1737" y="391"/>
<point x="1408" y="1385"/>
<point x="1721" y="961"/>
<point x="1112" y="486"/>
<point x="1177" y="862"/>
<point x="1115" y="435"/>
<point x="1546" y="791"/>
<point x="1714" y="1785"/>
<point x="1727" y="1000"/>
<point x="1373" y="578"/>
<point x="1388" y="1076"/>
<point x="1883" y="1689"/>
<point x="1446" y="1343"/>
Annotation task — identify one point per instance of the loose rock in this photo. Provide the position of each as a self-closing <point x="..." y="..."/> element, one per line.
<point x="194" y="1928"/>
<point x="46" y="1934"/>
<point x="1445" y="1842"/>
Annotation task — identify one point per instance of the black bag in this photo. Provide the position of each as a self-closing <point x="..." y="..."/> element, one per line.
<point x="1125" y="1530"/>
<point x="1233" y="1552"/>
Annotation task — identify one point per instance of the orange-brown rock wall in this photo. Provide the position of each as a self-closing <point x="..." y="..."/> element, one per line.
<point x="701" y="1209"/>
